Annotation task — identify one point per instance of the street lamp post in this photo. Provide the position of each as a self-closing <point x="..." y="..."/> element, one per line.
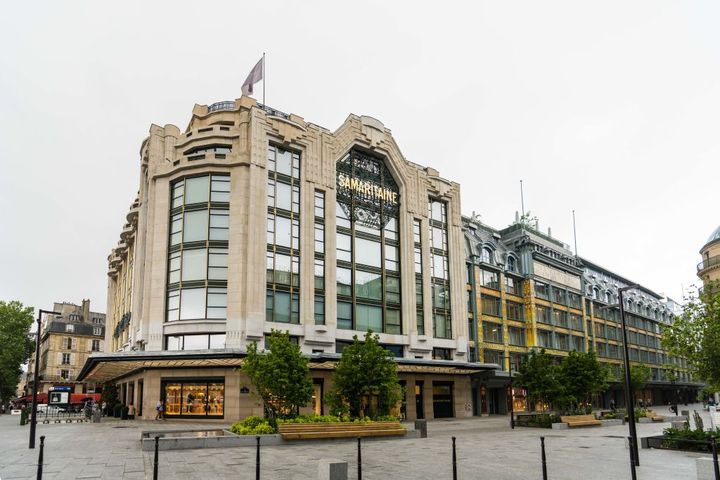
<point x="33" y="418"/>
<point x="512" y="397"/>
<point x="629" y="401"/>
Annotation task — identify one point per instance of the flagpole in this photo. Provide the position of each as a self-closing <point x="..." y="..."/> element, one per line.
<point x="264" y="78"/>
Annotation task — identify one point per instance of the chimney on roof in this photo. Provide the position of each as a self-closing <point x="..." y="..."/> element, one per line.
<point x="86" y="310"/>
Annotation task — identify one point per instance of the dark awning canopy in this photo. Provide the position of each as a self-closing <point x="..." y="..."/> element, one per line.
<point x="104" y="367"/>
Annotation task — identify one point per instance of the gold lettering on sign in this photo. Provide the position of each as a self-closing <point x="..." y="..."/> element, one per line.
<point x="367" y="188"/>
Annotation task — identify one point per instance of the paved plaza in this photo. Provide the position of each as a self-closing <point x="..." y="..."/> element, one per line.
<point x="486" y="447"/>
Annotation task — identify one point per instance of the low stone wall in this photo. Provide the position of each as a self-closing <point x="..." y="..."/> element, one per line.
<point x="228" y="439"/>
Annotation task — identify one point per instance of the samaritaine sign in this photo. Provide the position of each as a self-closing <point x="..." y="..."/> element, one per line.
<point x="366" y="190"/>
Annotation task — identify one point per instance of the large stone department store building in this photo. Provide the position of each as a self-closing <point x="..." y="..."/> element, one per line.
<point x="252" y="220"/>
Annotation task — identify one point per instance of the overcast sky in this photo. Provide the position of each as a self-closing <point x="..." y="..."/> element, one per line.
<point x="608" y="108"/>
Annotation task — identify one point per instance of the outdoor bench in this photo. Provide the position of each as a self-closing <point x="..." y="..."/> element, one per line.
<point x="654" y="416"/>
<point x="580" y="420"/>
<point x="319" y="430"/>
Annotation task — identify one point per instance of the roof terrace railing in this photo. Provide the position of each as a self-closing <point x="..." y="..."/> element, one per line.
<point x="219" y="106"/>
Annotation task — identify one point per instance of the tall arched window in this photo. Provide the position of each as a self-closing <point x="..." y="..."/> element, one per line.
<point x="368" y="242"/>
<point x="511" y="264"/>
<point x="608" y="297"/>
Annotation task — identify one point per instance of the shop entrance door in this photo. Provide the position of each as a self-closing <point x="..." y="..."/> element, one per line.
<point x="443" y="399"/>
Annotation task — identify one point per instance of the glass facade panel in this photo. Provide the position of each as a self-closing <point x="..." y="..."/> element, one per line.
<point x="195" y="226"/>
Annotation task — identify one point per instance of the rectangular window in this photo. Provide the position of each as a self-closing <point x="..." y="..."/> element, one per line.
<point x="65" y="374"/>
<point x="69" y="343"/>
<point x="543" y="314"/>
<point x="558" y="295"/>
<point x="66" y="359"/>
<point x="574" y="300"/>
<point x="494" y="356"/>
<point x="319" y="310"/>
<point x="560" y="318"/>
<point x="95" y="346"/>
<point x="513" y="286"/>
<point x="69" y="328"/>
<point x="489" y="279"/>
<point x="545" y="339"/>
<point x="576" y="322"/>
<point x="442" y="354"/>
<point x="563" y="341"/>
<point x="491" y="306"/>
<point x="492" y="332"/>
<point x="514" y="310"/>
<point x="541" y="290"/>
<point x="516" y="336"/>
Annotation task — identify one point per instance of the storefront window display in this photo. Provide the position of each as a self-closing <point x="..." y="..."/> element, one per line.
<point x="192" y="398"/>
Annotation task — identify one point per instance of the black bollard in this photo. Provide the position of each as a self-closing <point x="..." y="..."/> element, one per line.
<point x="257" y="459"/>
<point x="359" y="460"/>
<point x="155" y="462"/>
<point x="40" y="457"/>
<point x="632" y="458"/>
<point x="454" y="460"/>
<point x="713" y="444"/>
<point x="544" y="459"/>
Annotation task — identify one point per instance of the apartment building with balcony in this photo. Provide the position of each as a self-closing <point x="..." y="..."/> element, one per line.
<point x="66" y="342"/>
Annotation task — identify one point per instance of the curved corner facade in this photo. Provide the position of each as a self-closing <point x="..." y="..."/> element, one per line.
<point x="709" y="269"/>
<point x="252" y="220"/>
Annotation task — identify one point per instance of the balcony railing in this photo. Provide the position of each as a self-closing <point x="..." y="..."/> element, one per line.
<point x="710" y="262"/>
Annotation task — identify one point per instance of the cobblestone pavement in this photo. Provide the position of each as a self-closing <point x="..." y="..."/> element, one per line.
<point x="486" y="449"/>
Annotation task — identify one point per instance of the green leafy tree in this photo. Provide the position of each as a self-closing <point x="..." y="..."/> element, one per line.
<point x="639" y="376"/>
<point x="365" y="382"/>
<point x="695" y="335"/>
<point x="540" y="376"/>
<point x="281" y="376"/>
<point x="110" y="396"/>
<point x="16" y="346"/>
<point x="581" y="375"/>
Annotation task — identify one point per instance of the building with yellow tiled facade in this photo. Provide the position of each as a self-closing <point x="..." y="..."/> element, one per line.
<point x="527" y="290"/>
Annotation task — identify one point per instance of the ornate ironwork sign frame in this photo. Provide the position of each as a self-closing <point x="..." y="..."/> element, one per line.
<point x="366" y="190"/>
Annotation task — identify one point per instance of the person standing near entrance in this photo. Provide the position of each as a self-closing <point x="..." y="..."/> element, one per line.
<point x="159" y="408"/>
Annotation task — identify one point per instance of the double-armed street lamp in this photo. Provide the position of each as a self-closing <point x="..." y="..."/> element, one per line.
<point x="33" y="418"/>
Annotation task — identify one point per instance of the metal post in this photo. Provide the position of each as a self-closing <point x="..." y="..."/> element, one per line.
<point x="155" y="462"/>
<point x="33" y="411"/>
<point x="40" y="457"/>
<point x="629" y="397"/>
<point x="257" y="459"/>
<point x="512" y="397"/>
<point x="454" y="460"/>
<point x="359" y="460"/>
<point x="632" y="458"/>
<point x="544" y="460"/>
<point x="713" y="444"/>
